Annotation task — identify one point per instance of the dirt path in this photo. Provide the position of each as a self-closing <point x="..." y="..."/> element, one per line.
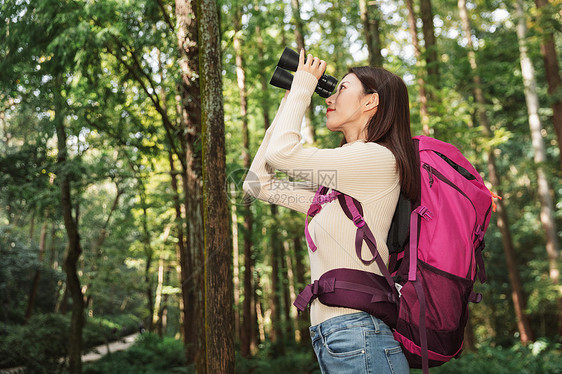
<point x="98" y="352"/>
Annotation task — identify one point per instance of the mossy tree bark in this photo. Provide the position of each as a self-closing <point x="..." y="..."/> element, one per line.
<point x="218" y="245"/>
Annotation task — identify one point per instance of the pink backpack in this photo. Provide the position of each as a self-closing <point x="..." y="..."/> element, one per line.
<point x="435" y="247"/>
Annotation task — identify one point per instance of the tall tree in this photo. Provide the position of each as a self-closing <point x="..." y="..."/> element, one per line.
<point x="247" y="326"/>
<point x="419" y="72"/>
<point x="148" y="253"/>
<point x="218" y="249"/>
<point x="309" y="132"/>
<point x="546" y="23"/>
<point x="301" y="283"/>
<point x="431" y="55"/>
<point x="189" y="113"/>
<point x="532" y="100"/>
<point x="276" y="315"/>
<point x="266" y="123"/>
<point x="517" y="294"/>
<point x="37" y="276"/>
<point x="370" y="16"/>
<point x="74" y="249"/>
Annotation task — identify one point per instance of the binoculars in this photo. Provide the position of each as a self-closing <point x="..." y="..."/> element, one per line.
<point x="290" y="61"/>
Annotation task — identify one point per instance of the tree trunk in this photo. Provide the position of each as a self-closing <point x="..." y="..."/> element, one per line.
<point x="290" y="295"/>
<point x="256" y="306"/>
<point x="248" y="325"/>
<point x="469" y="344"/>
<point x="97" y="245"/>
<point x="431" y="56"/>
<point x="283" y="283"/>
<point x="532" y="100"/>
<point x="218" y="250"/>
<point x="424" y="114"/>
<point x="259" y="312"/>
<point x="191" y="257"/>
<point x="236" y="271"/>
<point x="275" y="303"/>
<point x="370" y="17"/>
<point x="551" y="67"/>
<point x="164" y="317"/>
<point x="53" y="263"/>
<point x="156" y="322"/>
<point x="517" y="295"/>
<point x="519" y="301"/>
<point x="181" y="255"/>
<point x="263" y="81"/>
<point x="35" y="283"/>
<point x="304" y="319"/>
<point x="309" y="133"/>
<point x="31" y="226"/>
<point x="74" y="251"/>
<point x="163" y="325"/>
<point x="148" y="253"/>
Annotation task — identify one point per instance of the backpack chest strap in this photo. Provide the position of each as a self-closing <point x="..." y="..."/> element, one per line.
<point x="320" y="198"/>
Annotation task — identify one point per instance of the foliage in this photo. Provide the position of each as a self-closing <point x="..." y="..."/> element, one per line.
<point x="149" y="354"/>
<point x="18" y="264"/>
<point x="294" y="360"/>
<point x="542" y="356"/>
<point x="117" y="66"/>
<point x="38" y="345"/>
<point x="101" y="330"/>
<point x="41" y="344"/>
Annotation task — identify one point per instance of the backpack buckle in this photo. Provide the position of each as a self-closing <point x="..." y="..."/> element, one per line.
<point x="479" y="234"/>
<point x="424" y="212"/>
<point x="398" y="287"/>
<point x="359" y="222"/>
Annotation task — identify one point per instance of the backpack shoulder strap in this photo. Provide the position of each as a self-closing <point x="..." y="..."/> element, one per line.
<point x="400" y="227"/>
<point x="354" y="211"/>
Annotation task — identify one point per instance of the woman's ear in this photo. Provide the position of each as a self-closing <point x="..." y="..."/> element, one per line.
<point x="372" y="103"/>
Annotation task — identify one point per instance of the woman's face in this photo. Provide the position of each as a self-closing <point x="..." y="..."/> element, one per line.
<point x="346" y="110"/>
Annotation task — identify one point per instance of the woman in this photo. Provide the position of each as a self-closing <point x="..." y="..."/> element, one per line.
<point x="375" y="162"/>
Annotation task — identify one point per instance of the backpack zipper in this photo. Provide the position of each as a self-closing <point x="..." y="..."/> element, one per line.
<point x="432" y="171"/>
<point x="429" y="170"/>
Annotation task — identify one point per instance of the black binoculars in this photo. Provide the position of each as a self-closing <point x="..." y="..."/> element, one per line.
<point x="290" y="61"/>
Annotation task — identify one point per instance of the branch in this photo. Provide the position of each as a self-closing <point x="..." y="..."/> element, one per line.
<point x="166" y="16"/>
<point x="166" y="120"/>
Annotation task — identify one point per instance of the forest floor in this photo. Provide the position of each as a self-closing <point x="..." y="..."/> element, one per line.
<point x="101" y="350"/>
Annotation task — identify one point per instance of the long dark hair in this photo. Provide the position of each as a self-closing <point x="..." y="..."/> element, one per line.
<point x="390" y="125"/>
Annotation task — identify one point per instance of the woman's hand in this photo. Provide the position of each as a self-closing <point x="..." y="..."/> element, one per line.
<point x="313" y="65"/>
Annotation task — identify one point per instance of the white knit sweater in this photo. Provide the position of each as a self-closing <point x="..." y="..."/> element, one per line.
<point x="365" y="171"/>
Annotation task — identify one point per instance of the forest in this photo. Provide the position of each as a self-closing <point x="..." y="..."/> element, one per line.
<point x="127" y="128"/>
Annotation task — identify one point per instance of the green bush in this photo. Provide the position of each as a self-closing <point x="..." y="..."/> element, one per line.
<point x="295" y="360"/>
<point x="541" y="357"/>
<point x="38" y="346"/>
<point x="149" y="354"/>
<point x="100" y="330"/>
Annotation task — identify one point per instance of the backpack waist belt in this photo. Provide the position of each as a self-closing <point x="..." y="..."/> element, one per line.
<point x="354" y="289"/>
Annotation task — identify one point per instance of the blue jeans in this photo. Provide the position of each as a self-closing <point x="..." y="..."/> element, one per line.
<point x="357" y="343"/>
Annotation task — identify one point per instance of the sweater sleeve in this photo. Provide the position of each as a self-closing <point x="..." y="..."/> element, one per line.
<point x="262" y="183"/>
<point x="365" y="171"/>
